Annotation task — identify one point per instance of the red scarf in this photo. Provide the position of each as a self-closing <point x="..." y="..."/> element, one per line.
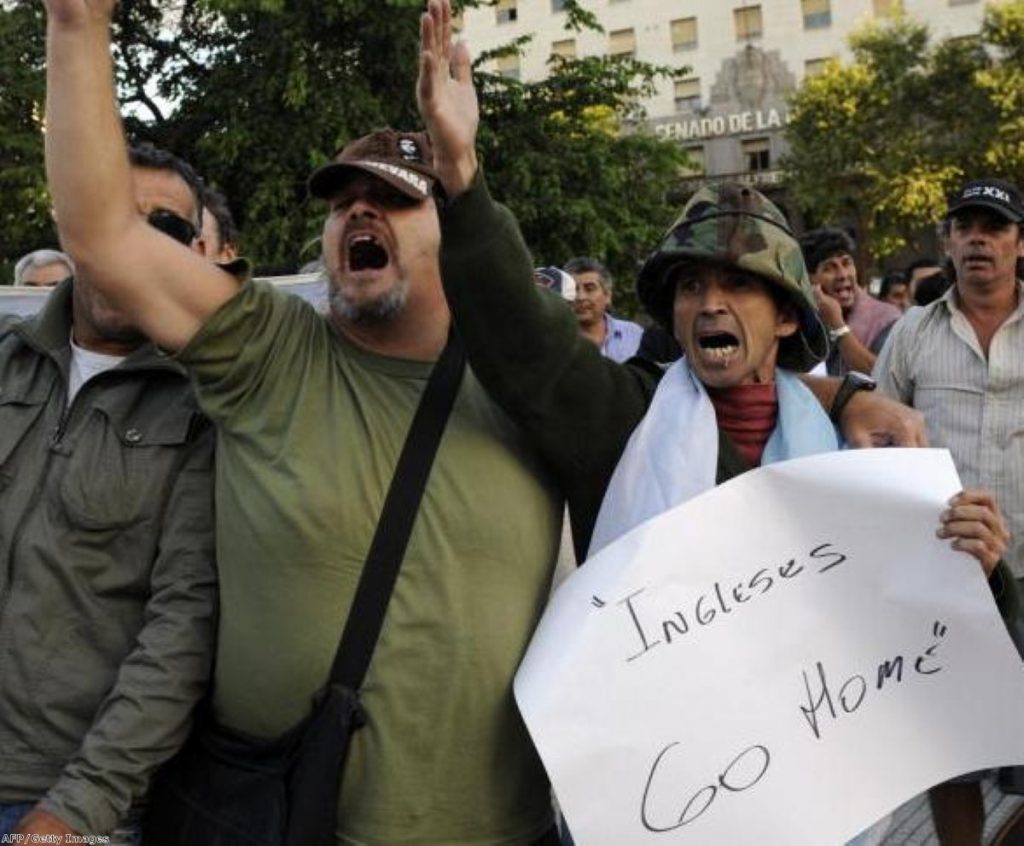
<point x="747" y="413"/>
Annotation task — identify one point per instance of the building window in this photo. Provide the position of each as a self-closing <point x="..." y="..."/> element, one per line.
<point x="684" y="34"/>
<point x="506" y="11"/>
<point x="817" y="13"/>
<point x="887" y="8"/>
<point x="756" y="154"/>
<point x="695" y="161"/>
<point x="812" y="67"/>
<point x="565" y="48"/>
<point x="687" y="95"/>
<point x="622" y="43"/>
<point x="748" y="22"/>
<point x="557" y="5"/>
<point x="508" y="66"/>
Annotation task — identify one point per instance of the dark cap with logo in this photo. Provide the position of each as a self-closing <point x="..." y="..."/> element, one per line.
<point x="997" y="195"/>
<point x="404" y="160"/>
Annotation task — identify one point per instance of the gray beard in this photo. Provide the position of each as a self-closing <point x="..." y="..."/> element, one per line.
<point x="381" y="310"/>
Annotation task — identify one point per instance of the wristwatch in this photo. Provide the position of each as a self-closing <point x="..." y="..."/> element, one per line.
<point x="835" y="334"/>
<point x="852" y="382"/>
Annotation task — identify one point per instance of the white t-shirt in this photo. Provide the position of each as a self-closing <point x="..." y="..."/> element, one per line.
<point x="85" y="364"/>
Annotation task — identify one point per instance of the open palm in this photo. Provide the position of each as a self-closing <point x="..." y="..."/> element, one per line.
<point x="444" y="91"/>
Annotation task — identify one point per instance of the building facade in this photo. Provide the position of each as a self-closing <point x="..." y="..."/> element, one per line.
<point x="744" y="59"/>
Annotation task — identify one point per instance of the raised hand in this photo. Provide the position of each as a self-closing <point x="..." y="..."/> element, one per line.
<point x="977" y="527"/>
<point x="829" y="308"/>
<point x="447" y="99"/>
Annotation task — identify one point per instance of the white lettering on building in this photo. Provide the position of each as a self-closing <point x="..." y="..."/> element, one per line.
<point x="735" y="123"/>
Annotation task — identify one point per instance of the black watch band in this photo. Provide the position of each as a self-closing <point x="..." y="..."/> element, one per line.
<point x="852" y="382"/>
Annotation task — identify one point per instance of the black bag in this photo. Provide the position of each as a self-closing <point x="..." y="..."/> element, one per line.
<point x="227" y="788"/>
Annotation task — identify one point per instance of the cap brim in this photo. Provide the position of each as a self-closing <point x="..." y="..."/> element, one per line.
<point x="327" y="180"/>
<point x="1000" y="209"/>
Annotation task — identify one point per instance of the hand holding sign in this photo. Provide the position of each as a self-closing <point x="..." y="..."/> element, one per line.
<point x="783" y="659"/>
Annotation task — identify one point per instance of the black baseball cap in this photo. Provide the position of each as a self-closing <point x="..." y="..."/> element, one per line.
<point x="997" y="195"/>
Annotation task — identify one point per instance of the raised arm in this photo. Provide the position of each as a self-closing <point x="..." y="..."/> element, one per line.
<point x="164" y="288"/>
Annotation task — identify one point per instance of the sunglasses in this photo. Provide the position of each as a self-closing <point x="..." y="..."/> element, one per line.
<point x="181" y="230"/>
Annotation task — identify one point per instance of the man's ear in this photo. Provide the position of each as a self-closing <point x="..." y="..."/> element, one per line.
<point x="786" y="321"/>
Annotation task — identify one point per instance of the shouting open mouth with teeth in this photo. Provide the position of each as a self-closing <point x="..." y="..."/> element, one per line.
<point x="718" y="347"/>
<point x="367" y="286"/>
<point x="729" y="325"/>
<point x="364" y="251"/>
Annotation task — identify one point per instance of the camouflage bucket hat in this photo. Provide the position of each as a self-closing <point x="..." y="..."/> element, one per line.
<point x="736" y="226"/>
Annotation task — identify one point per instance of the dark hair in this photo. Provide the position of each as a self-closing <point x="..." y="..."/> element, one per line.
<point x="818" y="245"/>
<point x="588" y="264"/>
<point x="889" y="281"/>
<point x="918" y="263"/>
<point x="146" y="155"/>
<point x="930" y="288"/>
<point x="217" y="204"/>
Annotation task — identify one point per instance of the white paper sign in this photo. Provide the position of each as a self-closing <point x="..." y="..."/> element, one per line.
<point x="782" y="660"/>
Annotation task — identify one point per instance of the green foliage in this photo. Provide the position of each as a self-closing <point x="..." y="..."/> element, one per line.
<point x="25" y="222"/>
<point x="880" y="142"/>
<point x="1003" y="82"/>
<point x="257" y="93"/>
<point x="556" y="153"/>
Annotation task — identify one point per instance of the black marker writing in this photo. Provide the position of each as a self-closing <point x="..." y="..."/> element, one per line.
<point x="741" y="773"/>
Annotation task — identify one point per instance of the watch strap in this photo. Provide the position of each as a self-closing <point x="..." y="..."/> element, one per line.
<point x="852" y="382"/>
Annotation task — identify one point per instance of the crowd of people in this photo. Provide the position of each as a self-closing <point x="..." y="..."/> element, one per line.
<point x="193" y="464"/>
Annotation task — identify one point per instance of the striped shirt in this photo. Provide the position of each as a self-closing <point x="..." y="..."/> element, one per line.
<point x="972" y="406"/>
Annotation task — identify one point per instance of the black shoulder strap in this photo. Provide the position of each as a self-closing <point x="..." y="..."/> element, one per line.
<point x="398" y="515"/>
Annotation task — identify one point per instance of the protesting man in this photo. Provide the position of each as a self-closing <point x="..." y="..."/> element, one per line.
<point x="960" y="360"/>
<point x="311" y="412"/>
<point x="857" y="323"/>
<point x="617" y="339"/>
<point x="108" y="591"/>
<point x="728" y="278"/>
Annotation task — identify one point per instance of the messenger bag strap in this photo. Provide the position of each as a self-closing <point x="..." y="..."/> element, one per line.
<point x="366" y="617"/>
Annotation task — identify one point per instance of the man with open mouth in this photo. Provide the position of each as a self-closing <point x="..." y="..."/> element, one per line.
<point x="960" y="360"/>
<point x="857" y="323"/>
<point x="629" y="442"/>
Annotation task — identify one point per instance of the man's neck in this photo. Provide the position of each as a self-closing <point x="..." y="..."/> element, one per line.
<point x="987" y="306"/>
<point x="414" y="335"/>
<point x="103" y="346"/>
<point x="595" y="331"/>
